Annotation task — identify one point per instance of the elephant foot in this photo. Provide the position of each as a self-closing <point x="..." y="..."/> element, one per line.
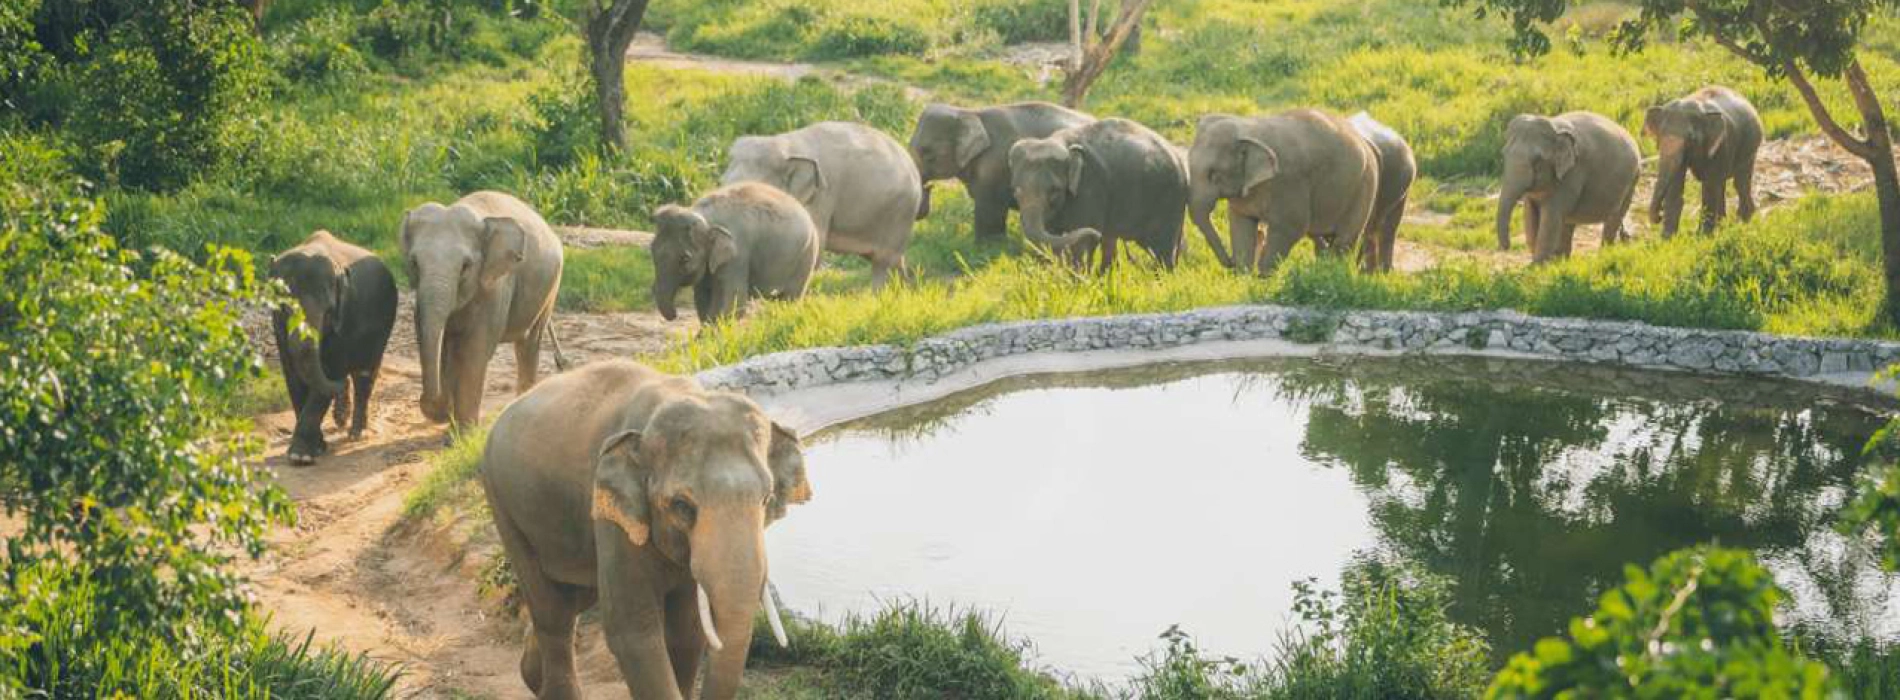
<point x="355" y="435"/>
<point x="304" y="457"/>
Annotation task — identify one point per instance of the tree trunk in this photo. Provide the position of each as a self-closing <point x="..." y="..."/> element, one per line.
<point x="610" y="31"/>
<point x="1876" y="147"/>
<point x="1075" y="86"/>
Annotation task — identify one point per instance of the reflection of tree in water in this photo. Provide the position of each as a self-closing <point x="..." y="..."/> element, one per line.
<point x="1534" y="497"/>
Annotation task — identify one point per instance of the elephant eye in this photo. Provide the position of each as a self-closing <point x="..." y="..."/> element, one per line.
<point x="682" y="508"/>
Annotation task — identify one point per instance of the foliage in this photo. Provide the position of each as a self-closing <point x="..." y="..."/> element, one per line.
<point x="60" y="648"/>
<point x="838" y="29"/>
<point x="112" y="453"/>
<point x="453" y="475"/>
<point x="1385" y="635"/>
<point x="1698" y="623"/>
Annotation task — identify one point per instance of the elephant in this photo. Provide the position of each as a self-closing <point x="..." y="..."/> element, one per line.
<point x="1302" y="172"/>
<point x="1714" y="133"/>
<point x="1397" y="170"/>
<point x="620" y="485"/>
<point x="859" y="185"/>
<point x="348" y="298"/>
<point x="972" y="145"/>
<point x="1100" y="183"/>
<point x="749" y="239"/>
<point x="485" y="271"/>
<point x="1574" y="168"/>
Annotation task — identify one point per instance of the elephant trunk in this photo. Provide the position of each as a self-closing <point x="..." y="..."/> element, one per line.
<point x="1036" y="230"/>
<point x="1670" y="173"/>
<point x="1201" y="210"/>
<point x="304" y="354"/>
<point x="666" y="288"/>
<point x="1507" y="203"/>
<point x="729" y="570"/>
<point x="435" y="299"/>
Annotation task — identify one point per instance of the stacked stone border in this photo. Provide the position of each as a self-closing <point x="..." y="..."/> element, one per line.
<point x="1491" y="333"/>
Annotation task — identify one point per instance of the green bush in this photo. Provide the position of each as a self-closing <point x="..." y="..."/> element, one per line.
<point x="1016" y="21"/>
<point x="319" y="52"/>
<point x="1698" y="623"/>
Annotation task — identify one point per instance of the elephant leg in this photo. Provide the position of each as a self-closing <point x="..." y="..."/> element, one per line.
<point x="340" y="404"/>
<point x="547" y="661"/>
<point x="632" y="621"/>
<point x="882" y="263"/>
<point x="306" y="440"/>
<point x="1614" y="230"/>
<point x="1389" y="233"/>
<point x="365" y="383"/>
<point x="1244" y="231"/>
<point x="1568" y="242"/>
<point x="992" y="215"/>
<point x="1533" y="221"/>
<point x="1111" y="250"/>
<point x="685" y="640"/>
<point x="1550" y="232"/>
<point x="1672" y="212"/>
<point x="468" y="383"/>
<point x="528" y="358"/>
<point x="703" y="301"/>
<point x="1745" y="193"/>
<point x="1714" y="202"/>
<point x="1280" y="240"/>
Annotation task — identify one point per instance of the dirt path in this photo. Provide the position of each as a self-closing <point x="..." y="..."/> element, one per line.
<point x="356" y="574"/>
<point x="650" y="48"/>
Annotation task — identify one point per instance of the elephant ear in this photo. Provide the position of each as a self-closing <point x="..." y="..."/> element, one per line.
<point x="1713" y="125"/>
<point x="1078" y="156"/>
<point x="717" y="244"/>
<point x="804" y="179"/>
<point x="1258" y="163"/>
<point x="620" y="486"/>
<point x="786" y="457"/>
<point x="1651" y="119"/>
<point x="972" y="139"/>
<point x="1563" y="154"/>
<point x="503" y="243"/>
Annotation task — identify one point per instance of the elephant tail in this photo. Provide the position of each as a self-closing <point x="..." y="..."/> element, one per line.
<point x="560" y="358"/>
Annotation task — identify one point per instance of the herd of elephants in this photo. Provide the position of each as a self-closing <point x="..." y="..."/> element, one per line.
<point x="617" y="485"/>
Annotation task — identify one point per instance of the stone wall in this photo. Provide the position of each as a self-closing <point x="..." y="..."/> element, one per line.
<point x="1498" y="333"/>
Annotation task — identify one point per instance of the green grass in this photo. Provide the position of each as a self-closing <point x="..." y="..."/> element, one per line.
<point x="451" y="483"/>
<point x="606" y="280"/>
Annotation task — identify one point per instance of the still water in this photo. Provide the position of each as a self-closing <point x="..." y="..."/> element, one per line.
<point x="1091" y="512"/>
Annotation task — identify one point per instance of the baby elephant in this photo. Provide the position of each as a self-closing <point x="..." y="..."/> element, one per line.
<point x="1574" y="168"/>
<point x="648" y="495"/>
<point x="348" y="299"/>
<point x="1104" y="181"/>
<point x="740" y="241"/>
<point x="1713" y="133"/>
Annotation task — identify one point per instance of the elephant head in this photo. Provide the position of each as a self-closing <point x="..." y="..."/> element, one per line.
<point x="318" y="285"/>
<point x="686" y="247"/>
<point x="1229" y="159"/>
<point x="699" y="481"/>
<point x="1538" y="153"/>
<point x="1045" y="174"/>
<point x="1685" y="131"/>
<point x="453" y="255"/>
<point x="775" y="161"/>
<point x="946" y="140"/>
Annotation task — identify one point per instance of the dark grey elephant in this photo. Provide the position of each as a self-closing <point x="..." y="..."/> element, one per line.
<point x="860" y="186"/>
<point x="1303" y="172"/>
<point x="348" y="300"/>
<point x="1571" y="169"/>
<point x="1101" y="183"/>
<point x="619" y="485"/>
<point x="485" y="271"/>
<point x="1715" y="134"/>
<point x="738" y="242"/>
<point x="972" y="145"/>
<point x="1397" y="170"/>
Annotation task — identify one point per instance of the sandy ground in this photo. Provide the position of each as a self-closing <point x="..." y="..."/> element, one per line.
<point x="407" y="594"/>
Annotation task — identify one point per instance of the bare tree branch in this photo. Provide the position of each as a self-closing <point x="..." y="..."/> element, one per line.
<point x="1833" y="129"/>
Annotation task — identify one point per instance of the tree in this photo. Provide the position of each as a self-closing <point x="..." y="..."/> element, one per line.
<point x="610" y="26"/>
<point x="1790" y="40"/>
<point x="1089" y="53"/>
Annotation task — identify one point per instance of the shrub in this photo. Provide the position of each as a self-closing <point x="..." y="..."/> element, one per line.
<point x="1017" y="21"/>
<point x="1699" y="622"/>
<point x="112" y="452"/>
<point x="319" y="52"/>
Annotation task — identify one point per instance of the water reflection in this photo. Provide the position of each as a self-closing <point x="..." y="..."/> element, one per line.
<point x="1094" y="510"/>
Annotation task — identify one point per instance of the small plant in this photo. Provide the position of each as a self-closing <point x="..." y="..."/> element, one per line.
<point x="1311" y="329"/>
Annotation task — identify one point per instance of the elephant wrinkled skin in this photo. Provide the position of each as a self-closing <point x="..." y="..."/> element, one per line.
<point x="1302" y="172"/>
<point x="348" y="298"/>
<point x="737" y="242"/>
<point x="972" y="145"/>
<point x="1714" y="133"/>
<point x="860" y="186"/>
<point x="1574" y="168"/>
<point x="643" y="492"/>
<point x="485" y="271"/>
<point x="1101" y="183"/>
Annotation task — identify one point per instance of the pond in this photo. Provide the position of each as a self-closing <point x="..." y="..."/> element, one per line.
<point x="1091" y="512"/>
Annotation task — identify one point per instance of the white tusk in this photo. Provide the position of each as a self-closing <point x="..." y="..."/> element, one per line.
<point x="706" y="622"/>
<point x="771" y="616"/>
